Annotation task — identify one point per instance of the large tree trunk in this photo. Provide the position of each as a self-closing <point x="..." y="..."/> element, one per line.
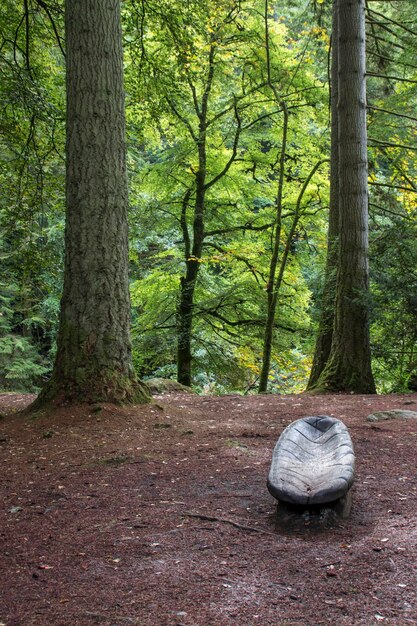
<point x="325" y="333"/>
<point x="93" y="361"/>
<point x="349" y="365"/>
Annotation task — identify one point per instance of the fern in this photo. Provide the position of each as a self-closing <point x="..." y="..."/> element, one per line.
<point x="21" y="368"/>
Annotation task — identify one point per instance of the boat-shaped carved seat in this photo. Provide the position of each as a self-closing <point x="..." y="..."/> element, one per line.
<point x="313" y="463"/>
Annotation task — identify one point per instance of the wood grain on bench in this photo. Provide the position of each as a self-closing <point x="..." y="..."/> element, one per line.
<point x="313" y="462"/>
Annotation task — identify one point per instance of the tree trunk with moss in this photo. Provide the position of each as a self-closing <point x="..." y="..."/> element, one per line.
<point x="93" y="361"/>
<point x="349" y="364"/>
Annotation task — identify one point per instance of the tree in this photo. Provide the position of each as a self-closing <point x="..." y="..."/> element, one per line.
<point x="32" y="99"/>
<point x="277" y="265"/>
<point x="325" y="332"/>
<point x="349" y="365"/>
<point x="201" y="93"/>
<point x="393" y="208"/>
<point x="93" y="361"/>
<point x="220" y="160"/>
<point x="252" y="231"/>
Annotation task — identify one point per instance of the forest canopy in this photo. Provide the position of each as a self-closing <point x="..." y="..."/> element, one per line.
<point x="228" y="130"/>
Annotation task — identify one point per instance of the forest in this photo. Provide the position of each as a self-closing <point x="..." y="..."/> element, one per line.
<point x="208" y="260"/>
<point x="260" y="148"/>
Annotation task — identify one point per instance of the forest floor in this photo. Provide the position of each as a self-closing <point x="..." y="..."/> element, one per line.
<point x="159" y="516"/>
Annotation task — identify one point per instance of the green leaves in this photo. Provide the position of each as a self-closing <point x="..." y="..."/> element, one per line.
<point x="210" y="126"/>
<point x="196" y="77"/>
<point x="21" y="368"/>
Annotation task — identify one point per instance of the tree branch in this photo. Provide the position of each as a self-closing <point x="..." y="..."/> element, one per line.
<point x="27" y="29"/>
<point x="194" y="94"/>
<point x="396" y="78"/>
<point x="209" y="83"/>
<point x="385" y="210"/>
<point x="226" y="168"/>
<point x="184" y="226"/>
<point x="385" y="58"/>
<point x="391" y="21"/>
<point x="51" y="19"/>
<point x="237" y="256"/>
<point x="388" y="144"/>
<point x="401" y="187"/>
<point x="387" y="41"/>
<point x="408" y="117"/>
<point x="247" y="226"/>
<point x="182" y="119"/>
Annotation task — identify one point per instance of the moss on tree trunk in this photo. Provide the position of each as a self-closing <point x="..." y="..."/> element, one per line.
<point x="93" y="361"/>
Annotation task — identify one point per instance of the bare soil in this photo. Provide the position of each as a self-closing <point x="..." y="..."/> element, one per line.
<point x="160" y="516"/>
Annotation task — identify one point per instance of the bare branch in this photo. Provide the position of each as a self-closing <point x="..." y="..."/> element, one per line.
<point x="390" y="60"/>
<point x="27" y="28"/>
<point x="390" y="212"/>
<point x="391" y="21"/>
<point x="247" y="226"/>
<point x="401" y="187"/>
<point x="397" y="78"/>
<point x="388" y="144"/>
<point x="391" y="43"/>
<point x="408" y="117"/>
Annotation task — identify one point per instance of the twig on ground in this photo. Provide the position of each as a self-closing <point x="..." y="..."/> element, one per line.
<point x="102" y="616"/>
<point x="211" y="518"/>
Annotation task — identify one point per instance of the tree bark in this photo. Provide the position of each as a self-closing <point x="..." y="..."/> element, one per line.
<point x="185" y="322"/>
<point x="325" y="333"/>
<point x="93" y="361"/>
<point x="192" y="261"/>
<point x="349" y="364"/>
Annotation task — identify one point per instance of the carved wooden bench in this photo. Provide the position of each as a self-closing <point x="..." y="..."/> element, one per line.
<point x="313" y="463"/>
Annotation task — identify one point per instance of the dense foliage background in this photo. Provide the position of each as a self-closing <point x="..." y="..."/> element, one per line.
<point x="213" y="79"/>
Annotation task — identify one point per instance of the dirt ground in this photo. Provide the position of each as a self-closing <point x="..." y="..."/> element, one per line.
<point x="160" y="516"/>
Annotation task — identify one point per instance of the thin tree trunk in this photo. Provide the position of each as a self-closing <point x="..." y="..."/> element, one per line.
<point x="193" y="253"/>
<point x="349" y="364"/>
<point x="274" y="281"/>
<point x="272" y="288"/>
<point x="325" y="333"/>
<point x="280" y="277"/>
<point x="185" y="323"/>
<point x="188" y="284"/>
<point x="93" y="361"/>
